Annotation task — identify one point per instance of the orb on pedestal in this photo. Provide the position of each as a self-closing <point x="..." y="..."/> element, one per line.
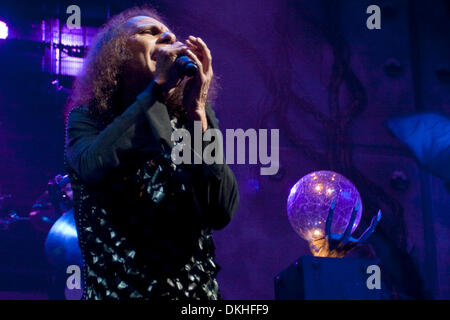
<point x="310" y="199"/>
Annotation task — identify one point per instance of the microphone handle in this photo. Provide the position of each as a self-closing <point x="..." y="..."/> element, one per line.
<point x="186" y="66"/>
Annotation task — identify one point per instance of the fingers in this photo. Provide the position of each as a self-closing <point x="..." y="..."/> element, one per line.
<point x="205" y="48"/>
<point x="330" y="218"/>
<point x="165" y="72"/>
<point x="195" y="47"/>
<point x="178" y="48"/>
<point x="194" y="58"/>
<point x="172" y="51"/>
<point x="197" y="51"/>
<point x="346" y="236"/>
<point x="192" y="45"/>
<point x="370" y="229"/>
<point x="200" y="48"/>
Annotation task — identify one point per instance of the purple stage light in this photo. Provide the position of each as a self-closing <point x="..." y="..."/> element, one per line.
<point x="3" y="30"/>
<point x="66" y="44"/>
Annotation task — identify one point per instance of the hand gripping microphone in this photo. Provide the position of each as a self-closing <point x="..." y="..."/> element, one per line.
<point x="186" y="66"/>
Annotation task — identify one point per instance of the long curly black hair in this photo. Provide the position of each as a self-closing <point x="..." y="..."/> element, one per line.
<point x="99" y="84"/>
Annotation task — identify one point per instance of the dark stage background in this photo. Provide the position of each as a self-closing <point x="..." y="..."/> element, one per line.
<point x="311" y="69"/>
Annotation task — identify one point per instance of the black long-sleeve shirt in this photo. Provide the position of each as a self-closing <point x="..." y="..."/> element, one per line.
<point x="144" y="225"/>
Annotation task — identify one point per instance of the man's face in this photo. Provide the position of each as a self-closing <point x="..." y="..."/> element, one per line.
<point x="146" y="35"/>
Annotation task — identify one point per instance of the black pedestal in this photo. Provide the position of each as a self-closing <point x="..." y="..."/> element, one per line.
<point x="312" y="278"/>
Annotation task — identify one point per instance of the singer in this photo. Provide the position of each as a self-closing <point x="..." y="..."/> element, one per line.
<point x="144" y="224"/>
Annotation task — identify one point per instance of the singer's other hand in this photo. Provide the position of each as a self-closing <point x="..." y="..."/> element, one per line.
<point x="196" y="91"/>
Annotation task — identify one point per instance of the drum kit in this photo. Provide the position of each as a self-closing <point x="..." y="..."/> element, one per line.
<point x="52" y="213"/>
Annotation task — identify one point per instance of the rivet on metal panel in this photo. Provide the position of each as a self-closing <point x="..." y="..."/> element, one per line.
<point x="278" y="280"/>
<point x="399" y="180"/>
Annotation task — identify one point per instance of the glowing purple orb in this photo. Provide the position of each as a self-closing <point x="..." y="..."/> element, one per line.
<point x="310" y="199"/>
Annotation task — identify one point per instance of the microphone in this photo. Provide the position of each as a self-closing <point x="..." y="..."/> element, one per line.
<point x="186" y="66"/>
